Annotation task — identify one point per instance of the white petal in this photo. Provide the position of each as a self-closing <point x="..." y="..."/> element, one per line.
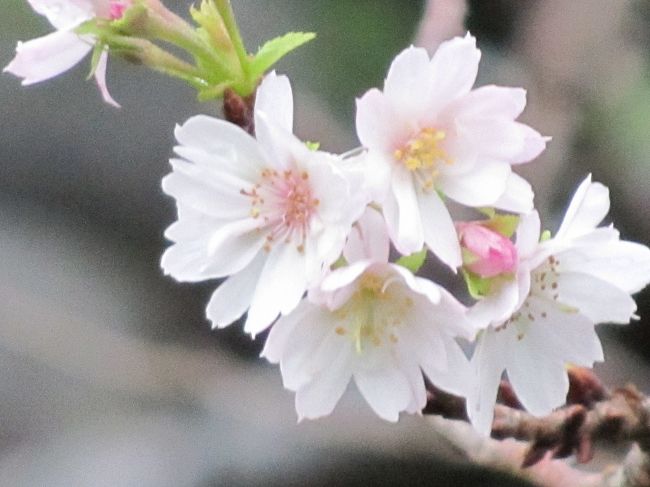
<point x="408" y="236"/>
<point x="65" y="14"/>
<point x="588" y="207"/>
<point x="100" y="78"/>
<point x="320" y="396"/>
<point x="387" y="391"/>
<point x="48" y="56"/>
<point x="439" y="231"/>
<point x="283" y="336"/>
<point x="275" y="98"/>
<point x="409" y="82"/>
<point x="491" y="102"/>
<point x="344" y="276"/>
<point x="625" y="265"/>
<point x="534" y="144"/>
<point x="281" y="147"/>
<point x="377" y="123"/>
<point x="528" y="233"/>
<point x="493" y="139"/>
<point x="228" y="142"/>
<point x="455" y="66"/>
<point x="517" y="197"/>
<point x="540" y="382"/>
<point x="498" y="306"/>
<point x="480" y="187"/>
<point x="280" y="287"/>
<point x="233" y="297"/>
<point x="600" y="301"/>
<point x="567" y="337"/>
<point x="488" y="363"/>
<point x="458" y="377"/>
<point x="368" y="239"/>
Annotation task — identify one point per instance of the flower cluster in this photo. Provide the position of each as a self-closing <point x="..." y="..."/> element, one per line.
<point x="304" y="235"/>
<point x="302" y="238"/>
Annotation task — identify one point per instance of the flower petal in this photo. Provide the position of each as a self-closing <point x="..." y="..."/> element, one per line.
<point x="100" y="78"/>
<point x="65" y="14"/>
<point x="407" y="234"/>
<point x="588" y="208"/>
<point x="368" y="239"/>
<point x="233" y="297"/>
<point x="409" y="82"/>
<point x="283" y="336"/>
<point x="439" y="230"/>
<point x="498" y="306"/>
<point x="387" y="391"/>
<point x="48" y="56"/>
<point x="528" y="233"/>
<point x="480" y="187"/>
<point x="275" y="98"/>
<point x="491" y="102"/>
<point x="376" y="123"/>
<point x="517" y="197"/>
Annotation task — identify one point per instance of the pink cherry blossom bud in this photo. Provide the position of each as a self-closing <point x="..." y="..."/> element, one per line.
<point x="488" y="253"/>
<point x="117" y="8"/>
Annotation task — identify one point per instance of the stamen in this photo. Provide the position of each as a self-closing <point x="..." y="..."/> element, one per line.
<point x="423" y="154"/>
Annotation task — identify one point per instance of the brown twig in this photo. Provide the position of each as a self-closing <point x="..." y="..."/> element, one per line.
<point x="239" y="110"/>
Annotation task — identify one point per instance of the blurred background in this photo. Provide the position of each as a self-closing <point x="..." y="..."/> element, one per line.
<point x="109" y="372"/>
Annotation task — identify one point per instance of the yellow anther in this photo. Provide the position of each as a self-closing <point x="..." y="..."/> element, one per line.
<point x="423" y="152"/>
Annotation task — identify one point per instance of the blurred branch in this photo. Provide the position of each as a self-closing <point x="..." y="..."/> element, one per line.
<point x="592" y="414"/>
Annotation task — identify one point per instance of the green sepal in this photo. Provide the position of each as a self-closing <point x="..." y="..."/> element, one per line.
<point x="506" y="225"/>
<point x="414" y="261"/>
<point x="489" y="212"/>
<point x="477" y="286"/>
<point x="132" y="17"/>
<point x="312" y="146"/>
<point x="98" y="50"/>
<point x="546" y="235"/>
<point x="340" y="262"/>
<point x="275" y="49"/>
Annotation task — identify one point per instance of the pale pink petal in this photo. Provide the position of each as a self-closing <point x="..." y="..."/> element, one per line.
<point x="534" y="144"/>
<point x="409" y="82"/>
<point x="233" y="297"/>
<point x="283" y="335"/>
<point x="517" y="197"/>
<point x="600" y="301"/>
<point x="481" y="187"/>
<point x="234" y="149"/>
<point x="280" y="287"/>
<point x="540" y="382"/>
<point x="368" y="239"/>
<point x="67" y="13"/>
<point x="275" y="98"/>
<point x="320" y="396"/>
<point x="455" y="66"/>
<point x="457" y="378"/>
<point x="100" y="78"/>
<point x="491" y="138"/>
<point x="488" y="363"/>
<point x="588" y="208"/>
<point x="376" y="123"/>
<point x="387" y="391"/>
<point x="625" y="265"/>
<point x="280" y="146"/>
<point x="408" y="236"/>
<point x="439" y="231"/>
<point x="491" y="102"/>
<point x="528" y="233"/>
<point x="48" y="56"/>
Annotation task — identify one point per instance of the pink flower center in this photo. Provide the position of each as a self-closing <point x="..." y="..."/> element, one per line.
<point x="285" y="205"/>
<point x="117" y="8"/>
<point x="423" y="154"/>
<point x="487" y="253"/>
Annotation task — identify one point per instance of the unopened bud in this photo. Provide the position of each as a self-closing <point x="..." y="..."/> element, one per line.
<point x="486" y="253"/>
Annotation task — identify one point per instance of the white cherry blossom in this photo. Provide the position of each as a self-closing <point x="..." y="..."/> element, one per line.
<point x="543" y="318"/>
<point x="268" y="212"/>
<point x="46" y="57"/>
<point x="375" y="323"/>
<point x="428" y="132"/>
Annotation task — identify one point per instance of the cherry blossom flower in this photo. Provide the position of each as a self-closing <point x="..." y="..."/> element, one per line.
<point x="543" y="317"/>
<point x="46" y="57"/>
<point x="269" y="212"/>
<point x="428" y="132"/>
<point x="373" y="322"/>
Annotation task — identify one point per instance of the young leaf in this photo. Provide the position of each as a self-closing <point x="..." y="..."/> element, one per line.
<point x="275" y="49"/>
<point x="477" y="286"/>
<point x="414" y="261"/>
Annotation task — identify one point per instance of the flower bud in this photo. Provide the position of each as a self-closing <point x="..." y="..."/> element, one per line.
<point x="117" y="8"/>
<point x="486" y="253"/>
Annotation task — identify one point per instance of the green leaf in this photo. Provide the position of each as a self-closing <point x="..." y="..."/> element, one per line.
<point x="275" y="49"/>
<point x="546" y="235"/>
<point x="312" y="146"/>
<point x="478" y="287"/>
<point x="506" y="225"/>
<point x="414" y="261"/>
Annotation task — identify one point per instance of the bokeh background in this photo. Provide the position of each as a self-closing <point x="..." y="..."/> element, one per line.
<point x="109" y="372"/>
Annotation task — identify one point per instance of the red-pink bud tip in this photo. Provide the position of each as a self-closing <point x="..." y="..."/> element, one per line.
<point x="489" y="252"/>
